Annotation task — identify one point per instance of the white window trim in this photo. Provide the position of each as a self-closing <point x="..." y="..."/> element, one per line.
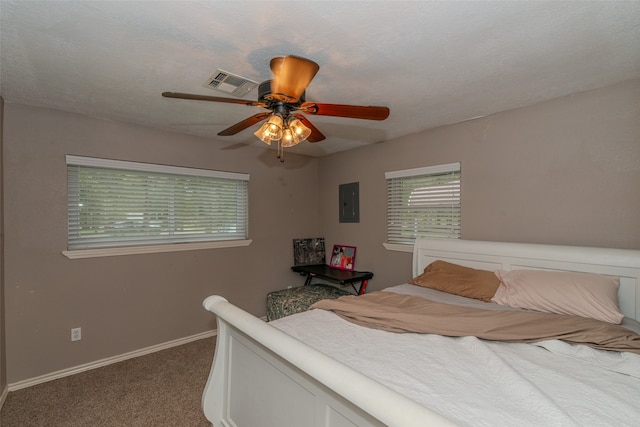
<point x="397" y="247"/>
<point x="150" y="167"/>
<point x="152" y="249"/>
<point x="427" y="170"/>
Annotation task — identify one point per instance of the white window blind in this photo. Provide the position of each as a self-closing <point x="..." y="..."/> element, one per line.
<point x="116" y="203"/>
<point x="423" y="202"/>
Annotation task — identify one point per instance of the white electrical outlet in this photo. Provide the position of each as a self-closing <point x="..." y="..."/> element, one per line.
<point x="76" y="334"/>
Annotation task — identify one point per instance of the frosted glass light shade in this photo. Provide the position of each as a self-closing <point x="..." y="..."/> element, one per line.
<point x="270" y="130"/>
<point x="300" y="130"/>
<point x="289" y="138"/>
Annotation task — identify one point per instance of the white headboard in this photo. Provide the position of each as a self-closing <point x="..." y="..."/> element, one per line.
<point x="624" y="263"/>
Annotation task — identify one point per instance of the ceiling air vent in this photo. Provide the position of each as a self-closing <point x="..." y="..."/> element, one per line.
<point x="230" y="83"/>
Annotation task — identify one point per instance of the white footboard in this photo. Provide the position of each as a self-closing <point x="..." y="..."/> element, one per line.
<point x="263" y="377"/>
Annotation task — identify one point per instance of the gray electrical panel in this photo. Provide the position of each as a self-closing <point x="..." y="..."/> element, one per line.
<point x="349" y="197"/>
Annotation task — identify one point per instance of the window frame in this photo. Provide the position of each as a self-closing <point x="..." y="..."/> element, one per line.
<point x="168" y="246"/>
<point x="436" y="170"/>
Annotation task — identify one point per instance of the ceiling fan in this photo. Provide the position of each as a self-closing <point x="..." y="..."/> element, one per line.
<point x="284" y="97"/>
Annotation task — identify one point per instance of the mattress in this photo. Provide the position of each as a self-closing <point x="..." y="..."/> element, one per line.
<point x="478" y="382"/>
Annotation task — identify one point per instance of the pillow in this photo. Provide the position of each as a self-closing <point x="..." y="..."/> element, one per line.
<point x="579" y="294"/>
<point x="456" y="279"/>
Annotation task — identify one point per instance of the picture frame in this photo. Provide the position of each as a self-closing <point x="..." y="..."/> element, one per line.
<point x="343" y="257"/>
<point x="309" y="251"/>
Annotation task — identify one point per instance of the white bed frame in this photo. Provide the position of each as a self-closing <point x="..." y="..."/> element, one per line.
<point x="263" y="377"/>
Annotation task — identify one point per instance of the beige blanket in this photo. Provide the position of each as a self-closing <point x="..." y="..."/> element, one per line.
<point x="406" y="313"/>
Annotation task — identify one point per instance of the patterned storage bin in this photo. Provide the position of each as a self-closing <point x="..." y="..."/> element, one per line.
<point x="296" y="300"/>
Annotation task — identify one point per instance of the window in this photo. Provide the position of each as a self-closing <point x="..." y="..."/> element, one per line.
<point x="423" y="202"/>
<point x="122" y="204"/>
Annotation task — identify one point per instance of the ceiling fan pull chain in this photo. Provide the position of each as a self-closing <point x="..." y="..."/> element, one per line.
<point x="280" y="151"/>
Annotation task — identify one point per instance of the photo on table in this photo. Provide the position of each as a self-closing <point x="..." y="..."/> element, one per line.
<point x="343" y="257"/>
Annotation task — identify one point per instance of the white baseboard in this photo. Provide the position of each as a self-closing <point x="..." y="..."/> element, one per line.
<point x="3" y="396"/>
<point x="104" y="362"/>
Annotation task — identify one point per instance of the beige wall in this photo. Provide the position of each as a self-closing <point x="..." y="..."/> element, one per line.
<point x="125" y="303"/>
<point x="561" y="172"/>
<point x="3" y="352"/>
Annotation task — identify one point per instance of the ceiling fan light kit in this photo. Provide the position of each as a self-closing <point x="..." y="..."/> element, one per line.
<point x="284" y="95"/>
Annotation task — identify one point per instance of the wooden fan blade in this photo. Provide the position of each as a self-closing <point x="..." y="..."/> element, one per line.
<point x="240" y="126"/>
<point x="316" y="135"/>
<point x="341" y="110"/>
<point x="292" y="75"/>
<point x="211" y="98"/>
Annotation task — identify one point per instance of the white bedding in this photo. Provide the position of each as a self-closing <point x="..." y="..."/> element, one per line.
<point x="476" y="382"/>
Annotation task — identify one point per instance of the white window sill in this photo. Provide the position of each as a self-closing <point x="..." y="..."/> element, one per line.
<point x="152" y="249"/>
<point x="397" y="247"/>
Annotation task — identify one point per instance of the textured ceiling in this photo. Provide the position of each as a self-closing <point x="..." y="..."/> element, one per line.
<point x="431" y="63"/>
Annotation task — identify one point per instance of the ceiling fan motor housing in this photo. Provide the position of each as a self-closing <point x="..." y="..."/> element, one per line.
<point x="264" y="95"/>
